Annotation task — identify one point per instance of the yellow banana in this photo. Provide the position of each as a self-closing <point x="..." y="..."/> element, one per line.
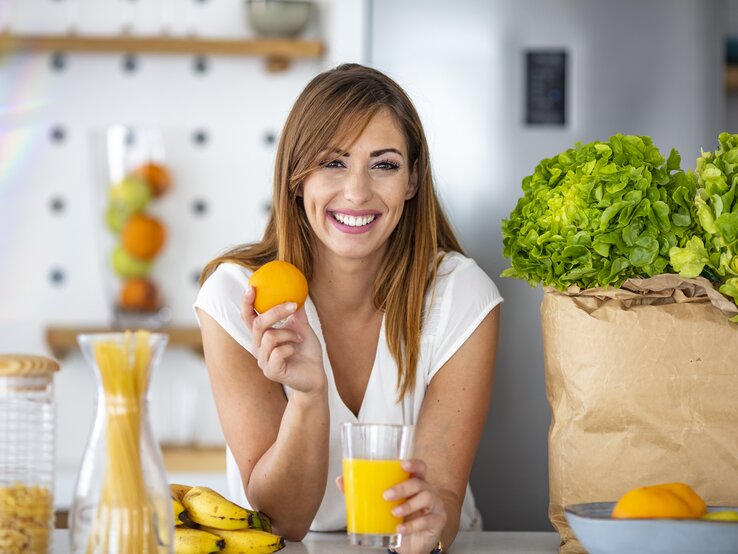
<point x="178" y="509"/>
<point x="180" y="514"/>
<point x="248" y="541"/>
<point x="179" y="490"/>
<point x="206" y="507"/>
<point x="261" y="521"/>
<point x="196" y="541"/>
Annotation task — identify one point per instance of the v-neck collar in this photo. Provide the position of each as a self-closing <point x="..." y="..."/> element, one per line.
<point x="314" y="319"/>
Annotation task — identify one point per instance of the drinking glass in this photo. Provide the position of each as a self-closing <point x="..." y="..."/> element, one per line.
<point x="371" y="464"/>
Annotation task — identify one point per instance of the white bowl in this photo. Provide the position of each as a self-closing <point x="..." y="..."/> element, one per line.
<point x="278" y="18"/>
<point x="599" y="533"/>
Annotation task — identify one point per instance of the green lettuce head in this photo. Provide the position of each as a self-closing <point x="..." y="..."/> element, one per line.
<point x="598" y="214"/>
<point x="713" y="252"/>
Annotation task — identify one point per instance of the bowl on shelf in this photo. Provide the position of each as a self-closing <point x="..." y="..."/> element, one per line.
<point x="278" y="18"/>
<point x="599" y="533"/>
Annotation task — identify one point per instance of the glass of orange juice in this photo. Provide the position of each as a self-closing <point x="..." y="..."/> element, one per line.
<point x="371" y="465"/>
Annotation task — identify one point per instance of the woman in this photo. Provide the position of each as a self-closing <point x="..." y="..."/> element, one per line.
<point x="399" y="326"/>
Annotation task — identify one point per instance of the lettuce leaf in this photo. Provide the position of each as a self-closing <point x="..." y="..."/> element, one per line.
<point x="600" y="213"/>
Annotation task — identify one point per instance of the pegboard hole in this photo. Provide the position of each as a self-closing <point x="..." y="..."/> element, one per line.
<point x="200" y="137"/>
<point x="57" y="276"/>
<point x="201" y="65"/>
<point x="270" y="137"/>
<point x="58" y="61"/>
<point x="130" y="63"/>
<point x="57" y="134"/>
<point x="200" y="207"/>
<point x="57" y="205"/>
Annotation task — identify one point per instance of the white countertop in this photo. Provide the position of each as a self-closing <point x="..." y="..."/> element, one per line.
<point x="502" y="542"/>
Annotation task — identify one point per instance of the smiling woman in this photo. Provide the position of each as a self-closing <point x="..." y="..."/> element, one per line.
<point x="399" y="326"/>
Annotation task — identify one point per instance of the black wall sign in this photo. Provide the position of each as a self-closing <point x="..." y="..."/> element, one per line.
<point x="545" y="87"/>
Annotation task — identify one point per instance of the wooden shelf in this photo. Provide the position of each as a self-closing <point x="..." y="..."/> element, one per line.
<point x="194" y="459"/>
<point x="278" y="52"/>
<point x="63" y="339"/>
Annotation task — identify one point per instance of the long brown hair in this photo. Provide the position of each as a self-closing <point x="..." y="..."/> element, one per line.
<point x="334" y="109"/>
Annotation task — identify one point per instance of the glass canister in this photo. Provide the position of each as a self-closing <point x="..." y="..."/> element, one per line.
<point x="121" y="503"/>
<point x="27" y="443"/>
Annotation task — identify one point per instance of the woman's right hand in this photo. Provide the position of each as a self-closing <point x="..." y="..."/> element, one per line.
<point x="290" y="354"/>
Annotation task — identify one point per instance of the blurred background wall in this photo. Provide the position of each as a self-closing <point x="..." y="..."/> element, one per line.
<point x="655" y="68"/>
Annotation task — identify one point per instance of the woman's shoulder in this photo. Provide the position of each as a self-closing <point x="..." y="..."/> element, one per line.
<point x="457" y="270"/>
<point x="226" y="281"/>
<point x="461" y="287"/>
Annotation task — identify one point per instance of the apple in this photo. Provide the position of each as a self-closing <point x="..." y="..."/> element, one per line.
<point x="127" y="266"/>
<point x="130" y="196"/>
<point x="115" y="218"/>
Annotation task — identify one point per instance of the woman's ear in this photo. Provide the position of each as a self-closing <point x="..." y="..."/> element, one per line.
<point x="412" y="186"/>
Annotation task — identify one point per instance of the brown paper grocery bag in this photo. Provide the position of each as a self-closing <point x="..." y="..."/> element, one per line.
<point x="642" y="383"/>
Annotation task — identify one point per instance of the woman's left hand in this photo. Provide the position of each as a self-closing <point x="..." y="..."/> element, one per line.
<point x="423" y="511"/>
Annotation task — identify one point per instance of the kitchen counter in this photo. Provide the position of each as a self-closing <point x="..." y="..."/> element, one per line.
<point x="506" y="542"/>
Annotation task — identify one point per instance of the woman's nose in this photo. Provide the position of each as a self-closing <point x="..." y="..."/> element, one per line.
<point x="357" y="188"/>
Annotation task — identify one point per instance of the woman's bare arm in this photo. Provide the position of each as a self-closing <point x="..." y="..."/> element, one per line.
<point x="280" y="446"/>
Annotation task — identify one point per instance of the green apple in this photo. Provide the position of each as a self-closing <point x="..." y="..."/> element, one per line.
<point x="127" y="266"/>
<point x="130" y="195"/>
<point x="115" y="218"/>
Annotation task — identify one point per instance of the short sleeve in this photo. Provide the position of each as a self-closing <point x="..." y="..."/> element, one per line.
<point x="464" y="295"/>
<point x="220" y="297"/>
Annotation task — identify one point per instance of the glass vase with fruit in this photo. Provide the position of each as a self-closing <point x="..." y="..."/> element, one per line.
<point x="138" y="178"/>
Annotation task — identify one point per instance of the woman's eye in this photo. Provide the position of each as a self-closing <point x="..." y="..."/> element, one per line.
<point x="332" y="164"/>
<point x="386" y="165"/>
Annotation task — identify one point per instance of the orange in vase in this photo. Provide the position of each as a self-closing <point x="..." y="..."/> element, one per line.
<point x="143" y="236"/>
<point x="156" y="175"/>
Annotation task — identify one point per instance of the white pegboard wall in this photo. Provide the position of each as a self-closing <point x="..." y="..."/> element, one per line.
<point x="53" y="255"/>
<point x="55" y="103"/>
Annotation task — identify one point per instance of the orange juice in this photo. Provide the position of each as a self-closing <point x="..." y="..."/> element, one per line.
<point x="364" y="481"/>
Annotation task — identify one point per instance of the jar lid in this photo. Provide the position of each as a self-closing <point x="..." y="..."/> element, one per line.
<point x="23" y="364"/>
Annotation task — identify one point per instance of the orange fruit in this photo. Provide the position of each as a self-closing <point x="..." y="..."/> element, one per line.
<point x="142" y="236"/>
<point x="671" y="500"/>
<point x="156" y="176"/>
<point x="686" y="493"/>
<point x="277" y="282"/>
<point x="139" y="294"/>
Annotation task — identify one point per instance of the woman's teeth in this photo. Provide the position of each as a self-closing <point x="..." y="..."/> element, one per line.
<point x="353" y="221"/>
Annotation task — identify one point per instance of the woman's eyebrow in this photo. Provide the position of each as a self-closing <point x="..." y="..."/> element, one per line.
<point x="384" y="151"/>
<point x="372" y="154"/>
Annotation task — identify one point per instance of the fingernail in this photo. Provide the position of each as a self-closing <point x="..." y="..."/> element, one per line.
<point x="397" y="512"/>
<point x="248" y="289"/>
<point x="389" y="494"/>
<point x="400" y="529"/>
<point x="291" y="307"/>
<point x="407" y="465"/>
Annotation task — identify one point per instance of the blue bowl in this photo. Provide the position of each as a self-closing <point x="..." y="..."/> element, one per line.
<point x="601" y="534"/>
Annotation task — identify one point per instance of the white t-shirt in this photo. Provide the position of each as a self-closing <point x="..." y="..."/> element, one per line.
<point x="464" y="295"/>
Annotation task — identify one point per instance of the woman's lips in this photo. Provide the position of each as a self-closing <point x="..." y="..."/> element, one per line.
<point x="352" y="221"/>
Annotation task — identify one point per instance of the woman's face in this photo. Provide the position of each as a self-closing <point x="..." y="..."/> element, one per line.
<point x="355" y="199"/>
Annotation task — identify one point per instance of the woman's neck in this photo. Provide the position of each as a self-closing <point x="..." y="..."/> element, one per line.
<point x="344" y="286"/>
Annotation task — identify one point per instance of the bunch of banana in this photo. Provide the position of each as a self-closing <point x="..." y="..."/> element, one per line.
<point x="180" y="514"/>
<point x="207" y="522"/>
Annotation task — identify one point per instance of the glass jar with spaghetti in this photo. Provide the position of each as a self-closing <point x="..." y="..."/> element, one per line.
<point x="27" y="435"/>
<point x="121" y="501"/>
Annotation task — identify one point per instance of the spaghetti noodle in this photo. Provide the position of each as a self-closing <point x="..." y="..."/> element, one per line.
<point x="124" y="519"/>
